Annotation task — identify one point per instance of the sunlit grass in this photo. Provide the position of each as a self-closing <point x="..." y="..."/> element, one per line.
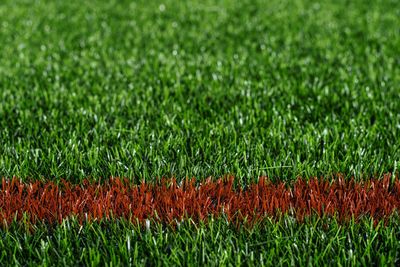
<point x="144" y="89"/>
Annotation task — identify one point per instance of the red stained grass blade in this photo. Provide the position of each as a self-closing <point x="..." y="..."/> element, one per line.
<point x="168" y="202"/>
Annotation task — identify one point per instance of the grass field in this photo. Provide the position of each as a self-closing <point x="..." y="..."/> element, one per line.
<point x="151" y="89"/>
<point x="317" y="242"/>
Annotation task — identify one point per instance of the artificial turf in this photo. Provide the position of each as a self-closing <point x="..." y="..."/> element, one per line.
<point x="286" y="242"/>
<point x="170" y="88"/>
<point x="168" y="202"/>
<point x="145" y="89"/>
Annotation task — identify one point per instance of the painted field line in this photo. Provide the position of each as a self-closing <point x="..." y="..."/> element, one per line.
<point x="171" y="202"/>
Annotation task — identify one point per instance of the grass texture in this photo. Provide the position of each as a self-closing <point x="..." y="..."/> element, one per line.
<point x="170" y="203"/>
<point x="150" y="89"/>
<point x="169" y="88"/>
<point x="317" y="242"/>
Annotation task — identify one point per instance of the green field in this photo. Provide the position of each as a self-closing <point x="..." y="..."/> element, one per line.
<point x="318" y="242"/>
<point x="150" y="89"/>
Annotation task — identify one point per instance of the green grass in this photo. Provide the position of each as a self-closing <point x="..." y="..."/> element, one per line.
<point x="199" y="88"/>
<point x="146" y="89"/>
<point x="282" y="243"/>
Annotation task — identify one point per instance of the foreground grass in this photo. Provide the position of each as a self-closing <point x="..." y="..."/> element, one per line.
<point x="317" y="242"/>
<point x="153" y="88"/>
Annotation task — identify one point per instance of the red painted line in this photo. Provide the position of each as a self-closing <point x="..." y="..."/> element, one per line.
<point x="169" y="202"/>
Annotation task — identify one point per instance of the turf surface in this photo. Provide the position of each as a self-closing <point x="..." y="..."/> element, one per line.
<point x="151" y="88"/>
<point x="147" y="89"/>
<point x="283" y="243"/>
<point x="169" y="202"/>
